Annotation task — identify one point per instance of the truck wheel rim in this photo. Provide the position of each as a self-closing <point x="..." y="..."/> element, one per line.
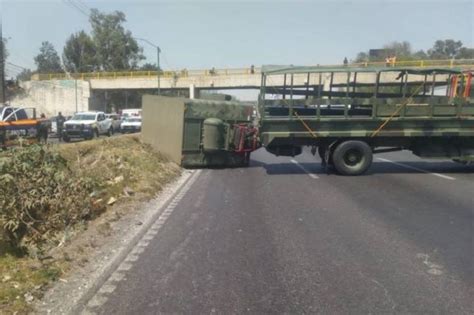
<point x="352" y="157"/>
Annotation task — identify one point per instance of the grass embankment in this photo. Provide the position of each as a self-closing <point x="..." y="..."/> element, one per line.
<point x="48" y="193"/>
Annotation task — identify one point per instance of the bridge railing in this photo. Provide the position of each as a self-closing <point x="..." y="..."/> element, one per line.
<point x="450" y="63"/>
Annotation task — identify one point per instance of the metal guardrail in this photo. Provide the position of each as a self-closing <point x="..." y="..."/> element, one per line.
<point x="450" y="63"/>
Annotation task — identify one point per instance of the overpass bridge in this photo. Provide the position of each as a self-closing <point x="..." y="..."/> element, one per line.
<point x="69" y="93"/>
<point x="236" y="78"/>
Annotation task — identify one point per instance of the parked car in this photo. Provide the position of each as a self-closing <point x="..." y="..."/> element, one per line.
<point x="87" y="125"/>
<point x="131" y="112"/>
<point x="131" y="124"/>
<point x="116" y="122"/>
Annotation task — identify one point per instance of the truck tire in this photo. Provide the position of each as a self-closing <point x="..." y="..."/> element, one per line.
<point x="352" y="157"/>
<point x="110" y="132"/>
<point x="66" y="138"/>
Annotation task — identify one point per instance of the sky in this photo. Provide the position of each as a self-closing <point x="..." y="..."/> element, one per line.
<point x="206" y="34"/>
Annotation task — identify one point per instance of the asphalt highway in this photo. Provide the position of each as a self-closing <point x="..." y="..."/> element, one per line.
<point x="285" y="237"/>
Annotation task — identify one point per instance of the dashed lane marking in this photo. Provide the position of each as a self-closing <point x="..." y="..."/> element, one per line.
<point x="313" y="176"/>
<point x="416" y="169"/>
<point x="107" y="289"/>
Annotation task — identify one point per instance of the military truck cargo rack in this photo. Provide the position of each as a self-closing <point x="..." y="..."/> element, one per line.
<point x="348" y="114"/>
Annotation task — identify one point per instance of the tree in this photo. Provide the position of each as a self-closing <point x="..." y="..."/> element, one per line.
<point x="400" y="49"/>
<point x="445" y="49"/>
<point x="47" y="61"/>
<point x="79" y="53"/>
<point x="149" y="67"/>
<point x="24" y="75"/>
<point x="116" y="48"/>
<point x="465" y="53"/>
<point x="442" y="49"/>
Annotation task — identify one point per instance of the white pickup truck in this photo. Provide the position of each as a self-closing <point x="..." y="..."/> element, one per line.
<point x="87" y="125"/>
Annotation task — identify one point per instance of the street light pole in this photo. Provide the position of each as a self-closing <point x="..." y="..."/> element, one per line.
<point x="158" y="51"/>
<point x="2" y="69"/>
<point x="158" y="70"/>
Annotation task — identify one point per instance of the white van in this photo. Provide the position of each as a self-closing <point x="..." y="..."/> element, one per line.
<point x="131" y="112"/>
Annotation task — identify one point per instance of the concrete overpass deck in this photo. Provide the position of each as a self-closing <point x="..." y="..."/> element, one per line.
<point x="236" y="78"/>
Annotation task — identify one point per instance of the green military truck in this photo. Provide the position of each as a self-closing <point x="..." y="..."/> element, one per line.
<point x="348" y="114"/>
<point x="199" y="133"/>
<point x="344" y="114"/>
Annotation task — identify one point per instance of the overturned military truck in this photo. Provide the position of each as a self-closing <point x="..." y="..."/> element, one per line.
<point x="199" y="133"/>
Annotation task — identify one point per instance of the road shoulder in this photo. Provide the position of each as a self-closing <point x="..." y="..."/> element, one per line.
<point x="109" y="249"/>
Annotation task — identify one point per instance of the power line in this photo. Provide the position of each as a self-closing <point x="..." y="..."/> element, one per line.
<point x="83" y="5"/>
<point x="77" y="7"/>
<point x="17" y="66"/>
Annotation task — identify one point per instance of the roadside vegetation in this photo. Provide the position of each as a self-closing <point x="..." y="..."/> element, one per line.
<point x="49" y="193"/>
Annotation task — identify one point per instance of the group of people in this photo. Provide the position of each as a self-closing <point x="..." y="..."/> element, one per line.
<point x="390" y="61"/>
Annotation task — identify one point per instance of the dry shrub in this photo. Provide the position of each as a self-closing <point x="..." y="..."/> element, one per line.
<point x="46" y="190"/>
<point x="40" y="195"/>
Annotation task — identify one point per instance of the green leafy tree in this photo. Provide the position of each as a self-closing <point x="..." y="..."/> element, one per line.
<point x="116" y="48"/>
<point x="79" y="53"/>
<point x="445" y="49"/>
<point x="47" y="61"/>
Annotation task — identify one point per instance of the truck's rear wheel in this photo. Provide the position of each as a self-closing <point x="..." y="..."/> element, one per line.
<point x="352" y="157"/>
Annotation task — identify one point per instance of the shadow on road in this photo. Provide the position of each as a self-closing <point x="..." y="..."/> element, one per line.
<point x="376" y="168"/>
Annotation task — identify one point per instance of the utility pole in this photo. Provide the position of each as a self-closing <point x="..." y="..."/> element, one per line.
<point x="158" y="70"/>
<point x="2" y="68"/>
<point x="158" y="51"/>
<point x="75" y="86"/>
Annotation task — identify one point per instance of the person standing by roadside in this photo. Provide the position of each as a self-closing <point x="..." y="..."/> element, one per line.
<point x="43" y="129"/>
<point x="60" y="125"/>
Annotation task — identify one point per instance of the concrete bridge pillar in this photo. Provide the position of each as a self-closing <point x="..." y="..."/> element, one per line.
<point x="193" y="92"/>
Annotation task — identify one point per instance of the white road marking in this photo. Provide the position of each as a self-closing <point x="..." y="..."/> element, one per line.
<point x="131" y="258"/>
<point x="101" y="296"/>
<point x="107" y="289"/>
<point x="143" y="243"/>
<point x="313" y="176"/>
<point x="124" y="266"/>
<point x="138" y="250"/>
<point x="148" y="237"/>
<point x="96" y="301"/>
<point x="417" y="169"/>
<point x="117" y="276"/>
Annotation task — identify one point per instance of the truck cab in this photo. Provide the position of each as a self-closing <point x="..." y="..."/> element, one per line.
<point x="87" y="125"/>
<point x="8" y="113"/>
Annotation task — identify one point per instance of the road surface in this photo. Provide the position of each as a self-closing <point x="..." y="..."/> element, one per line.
<point x="282" y="236"/>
